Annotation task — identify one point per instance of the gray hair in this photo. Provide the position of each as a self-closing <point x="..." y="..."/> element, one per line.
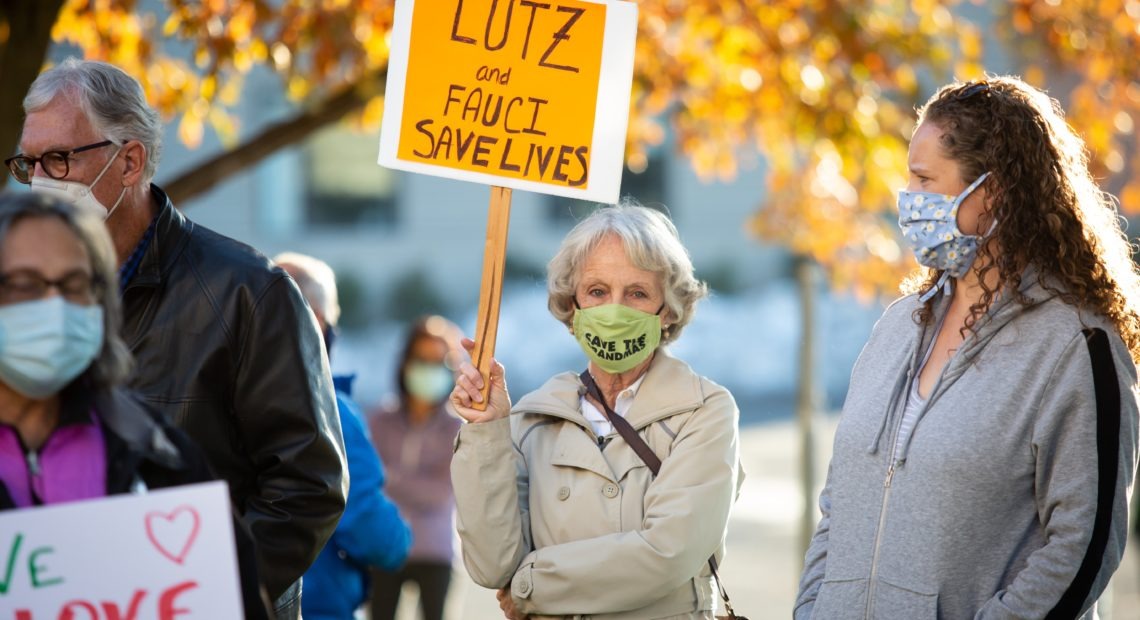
<point x="113" y="102"/>
<point x="651" y="243"/>
<point x="114" y="363"/>
<point x="316" y="280"/>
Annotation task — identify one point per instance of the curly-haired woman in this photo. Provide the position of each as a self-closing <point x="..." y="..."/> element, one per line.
<point x="978" y="471"/>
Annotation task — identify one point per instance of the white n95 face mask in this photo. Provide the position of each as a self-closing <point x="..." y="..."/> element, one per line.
<point x="46" y="343"/>
<point x="80" y="195"/>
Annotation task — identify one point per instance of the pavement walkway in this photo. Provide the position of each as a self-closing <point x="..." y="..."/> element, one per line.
<point x="763" y="563"/>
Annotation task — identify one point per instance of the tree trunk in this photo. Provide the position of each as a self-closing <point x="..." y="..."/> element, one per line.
<point x="807" y="395"/>
<point x="206" y="175"/>
<point x="23" y="48"/>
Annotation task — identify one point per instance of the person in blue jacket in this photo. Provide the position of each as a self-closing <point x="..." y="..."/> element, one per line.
<point x="371" y="532"/>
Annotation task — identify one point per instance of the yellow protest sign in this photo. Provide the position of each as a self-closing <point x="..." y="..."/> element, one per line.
<point x="527" y="94"/>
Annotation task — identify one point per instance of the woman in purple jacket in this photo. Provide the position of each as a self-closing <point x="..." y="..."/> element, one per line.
<point x="69" y="431"/>
<point x="414" y="438"/>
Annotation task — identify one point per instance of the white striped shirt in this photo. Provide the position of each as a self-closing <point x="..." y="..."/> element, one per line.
<point x="914" y="401"/>
<point x="914" y="404"/>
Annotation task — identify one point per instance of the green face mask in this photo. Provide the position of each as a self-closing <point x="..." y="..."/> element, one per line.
<point x="617" y="337"/>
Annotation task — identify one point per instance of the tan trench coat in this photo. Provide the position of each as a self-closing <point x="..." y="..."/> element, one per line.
<point x="580" y="532"/>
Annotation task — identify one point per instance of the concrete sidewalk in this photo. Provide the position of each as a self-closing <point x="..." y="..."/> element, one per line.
<point x="763" y="563"/>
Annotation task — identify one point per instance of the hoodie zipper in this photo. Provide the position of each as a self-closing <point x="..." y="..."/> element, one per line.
<point x="969" y="342"/>
<point x="893" y="464"/>
<point x="910" y="374"/>
<point x="33" y="460"/>
<point x="878" y="534"/>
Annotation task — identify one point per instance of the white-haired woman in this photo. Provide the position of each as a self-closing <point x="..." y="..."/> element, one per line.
<point x="555" y="506"/>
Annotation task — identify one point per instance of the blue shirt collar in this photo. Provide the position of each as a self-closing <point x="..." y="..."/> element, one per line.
<point x="131" y="266"/>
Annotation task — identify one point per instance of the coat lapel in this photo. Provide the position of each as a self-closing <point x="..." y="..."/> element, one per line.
<point x="576" y="448"/>
<point x="670" y="387"/>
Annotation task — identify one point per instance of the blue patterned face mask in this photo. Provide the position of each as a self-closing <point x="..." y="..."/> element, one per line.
<point x="929" y="224"/>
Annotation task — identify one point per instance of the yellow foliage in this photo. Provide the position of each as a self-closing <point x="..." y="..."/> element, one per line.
<point x="824" y="92"/>
<point x="258" y="50"/>
<point x="208" y="87"/>
<point x="969" y="71"/>
<point x="298" y="87"/>
<point x="224" y="125"/>
<point x="1130" y="198"/>
<point x="372" y="114"/>
<point x="230" y="92"/>
<point x="172" y="24"/>
<point x="190" y="130"/>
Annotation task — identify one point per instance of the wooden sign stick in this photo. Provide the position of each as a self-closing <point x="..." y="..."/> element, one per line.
<point x="491" y="291"/>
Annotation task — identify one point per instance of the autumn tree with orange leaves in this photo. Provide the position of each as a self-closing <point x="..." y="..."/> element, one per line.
<point x="822" y="91"/>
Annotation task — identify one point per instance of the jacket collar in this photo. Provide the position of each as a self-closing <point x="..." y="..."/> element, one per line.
<point x="133" y="435"/>
<point x="670" y="387"/>
<point x="172" y="232"/>
<point x="1035" y="289"/>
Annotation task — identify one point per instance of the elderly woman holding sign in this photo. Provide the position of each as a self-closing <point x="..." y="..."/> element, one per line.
<point x="68" y="431"/>
<point x="605" y="492"/>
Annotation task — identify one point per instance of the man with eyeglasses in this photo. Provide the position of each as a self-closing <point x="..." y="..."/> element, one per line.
<point x="223" y="341"/>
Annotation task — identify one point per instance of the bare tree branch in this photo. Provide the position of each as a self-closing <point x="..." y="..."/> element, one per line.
<point x="206" y="175"/>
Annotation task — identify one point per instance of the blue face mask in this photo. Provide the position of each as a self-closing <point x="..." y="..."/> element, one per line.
<point x="929" y="224"/>
<point x="45" y="344"/>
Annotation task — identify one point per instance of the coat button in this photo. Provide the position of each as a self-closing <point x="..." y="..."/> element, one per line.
<point x="610" y="489"/>
<point x="563" y="493"/>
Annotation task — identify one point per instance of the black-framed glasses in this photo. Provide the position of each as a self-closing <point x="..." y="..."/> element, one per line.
<point x="56" y="164"/>
<point x="20" y="285"/>
<point x="971" y="90"/>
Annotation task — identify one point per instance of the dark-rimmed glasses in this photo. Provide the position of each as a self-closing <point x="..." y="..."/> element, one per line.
<point x="56" y="164"/>
<point x="20" y="285"/>
<point x="971" y="90"/>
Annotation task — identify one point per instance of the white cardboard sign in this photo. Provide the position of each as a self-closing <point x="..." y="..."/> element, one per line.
<point x="163" y="555"/>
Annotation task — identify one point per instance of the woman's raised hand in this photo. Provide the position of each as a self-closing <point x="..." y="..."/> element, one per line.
<point x="468" y="386"/>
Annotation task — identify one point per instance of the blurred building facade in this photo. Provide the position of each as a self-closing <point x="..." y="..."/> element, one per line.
<point x="390" y="233"/>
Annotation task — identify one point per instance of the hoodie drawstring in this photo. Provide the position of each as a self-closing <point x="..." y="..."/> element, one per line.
<point x="942" y="283"/>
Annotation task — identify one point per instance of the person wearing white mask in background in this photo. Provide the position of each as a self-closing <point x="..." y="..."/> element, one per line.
<point x="69" y="428"/>
<point x="987" y="445"/>
<point x="414" y="436"/>
<point x="224" y="344"/>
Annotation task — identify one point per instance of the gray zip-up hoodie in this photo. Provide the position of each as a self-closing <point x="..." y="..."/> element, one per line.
<point x="991" y="508"/>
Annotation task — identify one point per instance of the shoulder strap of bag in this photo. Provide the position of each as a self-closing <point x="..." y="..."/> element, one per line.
<point x="1107" y="390"/>
<point x="623" y="427"/>
<point x="633" y="440"/>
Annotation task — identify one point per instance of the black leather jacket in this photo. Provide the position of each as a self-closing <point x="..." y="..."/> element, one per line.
<point x="227" y="349"/>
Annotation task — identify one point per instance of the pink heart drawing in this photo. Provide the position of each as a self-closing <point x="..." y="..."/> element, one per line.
<point x="173" y="534"/>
